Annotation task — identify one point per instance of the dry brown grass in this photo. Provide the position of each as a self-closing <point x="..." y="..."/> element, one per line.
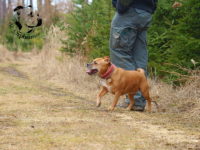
<point x="184" y="99"/>
<point x="69" y="72"/>
<point x="9" y="56"/>
<point x="5" y="55"/>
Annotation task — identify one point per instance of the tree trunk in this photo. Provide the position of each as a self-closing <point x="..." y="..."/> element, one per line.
<point x="4" y="8"/>
<point x="39" y="6"/>
<point x="19" y="2"/>
<point x="9" y="8"/>
<point x="1" y="11"/>
<point x="48" y="11"/>
<point x="31" y="3"/>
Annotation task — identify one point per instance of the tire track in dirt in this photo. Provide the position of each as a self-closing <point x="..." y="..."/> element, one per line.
<point x="13" y="72"/>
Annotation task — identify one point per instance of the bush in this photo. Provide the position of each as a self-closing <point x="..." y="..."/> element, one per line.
<point x="88" y="31"/>
<point x="14" y="43"/>
<point x="173" y="38"/>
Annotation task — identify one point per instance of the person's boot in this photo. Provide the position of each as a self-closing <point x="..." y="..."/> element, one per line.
<point x="125" y="103"/>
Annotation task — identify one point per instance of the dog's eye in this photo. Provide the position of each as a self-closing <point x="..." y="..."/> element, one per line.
<point x="95" y="62"/>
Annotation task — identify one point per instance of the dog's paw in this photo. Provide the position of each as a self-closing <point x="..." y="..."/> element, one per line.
<point x="149" y="111"/>
<point x="98" y="104"/>
<point x="129" y="108"/>
<point x="111" y="108"/>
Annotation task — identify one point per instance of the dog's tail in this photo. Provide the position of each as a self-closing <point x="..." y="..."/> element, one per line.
<point x="140" y="70"/>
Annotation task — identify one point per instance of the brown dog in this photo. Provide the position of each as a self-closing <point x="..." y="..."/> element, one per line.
<point x="119" y="82"/>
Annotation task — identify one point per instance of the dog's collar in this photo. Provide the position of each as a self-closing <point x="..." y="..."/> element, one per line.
<point x="109" y="72"/>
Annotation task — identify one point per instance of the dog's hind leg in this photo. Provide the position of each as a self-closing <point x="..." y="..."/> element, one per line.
<point x="130" y="96"/>
<point x="100" y="95"/>
<point x="146" y="96"/>
<point x="145" y="93"/>
<point x="149" y="103"/>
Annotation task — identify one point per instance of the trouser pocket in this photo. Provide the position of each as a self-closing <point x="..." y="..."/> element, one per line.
<point x="115" y="37"/>
<point x="122" y="38"/>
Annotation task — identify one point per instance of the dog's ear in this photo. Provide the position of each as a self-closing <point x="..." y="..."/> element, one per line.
<point x="107" y="59"/>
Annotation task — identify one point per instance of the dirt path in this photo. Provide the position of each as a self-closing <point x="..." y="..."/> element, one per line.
<point x="37" y="115"/>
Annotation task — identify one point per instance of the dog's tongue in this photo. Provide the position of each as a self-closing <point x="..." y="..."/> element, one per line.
<point x="89" y="71"/>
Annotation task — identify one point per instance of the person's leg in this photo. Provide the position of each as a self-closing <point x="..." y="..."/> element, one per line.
<point x="126" y="41"/>
<point x="140" y="53"/>
<point x="120" y="49"/>
<point x="122" y="37"/>
<point x="140" y="56"/>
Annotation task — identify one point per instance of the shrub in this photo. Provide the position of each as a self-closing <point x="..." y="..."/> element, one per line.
<point x="88" y="31"/>
<point x="173" y="38"/>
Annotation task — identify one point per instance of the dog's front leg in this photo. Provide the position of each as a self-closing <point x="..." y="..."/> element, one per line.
<point x="100" y="95"/>
<point x="114" y="103"/>
<point x="130" y="96"/>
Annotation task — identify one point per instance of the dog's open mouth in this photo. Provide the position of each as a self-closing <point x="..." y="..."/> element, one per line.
<point x="91" y="71"/>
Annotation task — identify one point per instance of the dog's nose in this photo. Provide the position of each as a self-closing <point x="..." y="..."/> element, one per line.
<point x="87" y="65"/>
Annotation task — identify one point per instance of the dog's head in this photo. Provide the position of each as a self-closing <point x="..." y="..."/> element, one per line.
<point x="98" y="65"/>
